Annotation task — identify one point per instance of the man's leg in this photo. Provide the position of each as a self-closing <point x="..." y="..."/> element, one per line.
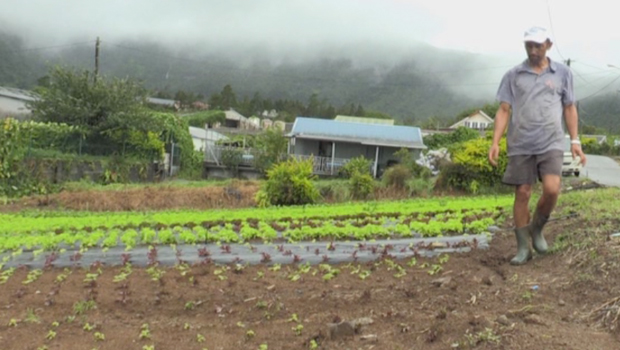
<point x="550" y="169"/>
<point x="521" y="219"/>
<point x="546" y="204"/>
<point x="521" y="172"/>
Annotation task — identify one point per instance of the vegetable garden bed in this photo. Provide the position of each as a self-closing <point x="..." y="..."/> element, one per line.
<point x="250" y="235"/>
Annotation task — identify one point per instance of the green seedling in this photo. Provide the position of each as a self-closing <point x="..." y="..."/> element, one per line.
<point x="50" y="335"/>
<point x="313" y="344"/>
<point x="294" y="318"/>
<point x="250" y="334"/>
<point x="31" y="316"/>
<point x="80" y="307"/>
<point x="32" y="276"/>
<point x="88" y="327"/>
<point x="12" y="323"/>
<point x="148" y="347"/>
<point x="145" y="332"/>
<point x="99" y="336"/>
<point x="298" y="329"/>
<point x="200" y="338"/>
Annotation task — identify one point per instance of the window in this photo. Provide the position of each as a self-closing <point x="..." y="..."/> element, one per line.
<point x="474" y="125"/>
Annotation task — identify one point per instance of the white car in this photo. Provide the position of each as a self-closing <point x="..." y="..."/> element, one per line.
<point x="570" y="166"/>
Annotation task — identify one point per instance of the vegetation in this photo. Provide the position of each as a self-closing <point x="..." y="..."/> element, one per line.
<point x="288" y="183"/>
<point x="430" y="217"/>
<point x="452" y="139"/>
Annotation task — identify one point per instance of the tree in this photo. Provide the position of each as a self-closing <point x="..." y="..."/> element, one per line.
<point x="228" y="98"/>
<point x="75" y="99"/>
<point x="272" y="145"/>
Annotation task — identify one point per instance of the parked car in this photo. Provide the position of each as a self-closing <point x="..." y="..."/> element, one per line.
<point x="570" y="166"/>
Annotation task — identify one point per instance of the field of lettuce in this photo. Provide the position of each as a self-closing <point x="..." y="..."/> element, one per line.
<point x="40" y="232"/>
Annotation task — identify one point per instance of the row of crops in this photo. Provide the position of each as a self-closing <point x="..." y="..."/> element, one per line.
<point x="50" y="231"/>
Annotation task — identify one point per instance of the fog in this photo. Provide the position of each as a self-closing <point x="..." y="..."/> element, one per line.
<point x="479" y="37"/>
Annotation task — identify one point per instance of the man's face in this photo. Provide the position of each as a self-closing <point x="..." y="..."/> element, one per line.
<point x="536" y="52"/>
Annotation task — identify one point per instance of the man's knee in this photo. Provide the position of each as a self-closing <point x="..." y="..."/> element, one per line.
<point x="523" y="193"/>
<point x="551" y="186"/>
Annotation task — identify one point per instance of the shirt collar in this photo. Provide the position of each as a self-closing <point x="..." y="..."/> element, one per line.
<point x="525" y="67"/>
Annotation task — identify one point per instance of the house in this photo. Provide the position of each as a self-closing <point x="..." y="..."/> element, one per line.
<point x="332" y="143"/>
<point x="346" y="118"/>
<point x="266" y="124"/>
<point x="14" y="102"/>
<point x="478" y="120"/>
<point x="205" y="138"/>
<point x="253" y="123"/>
<point x="270" y="114"/>
<point x="234" y="119"/>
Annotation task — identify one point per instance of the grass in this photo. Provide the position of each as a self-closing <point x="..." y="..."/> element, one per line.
<point x="597" y="216"/>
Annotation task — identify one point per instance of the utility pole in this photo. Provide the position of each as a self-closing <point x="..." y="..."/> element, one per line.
<point x="96" y="59"/>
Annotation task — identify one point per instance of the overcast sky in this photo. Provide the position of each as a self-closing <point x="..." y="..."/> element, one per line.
<point x="588" y="32"/>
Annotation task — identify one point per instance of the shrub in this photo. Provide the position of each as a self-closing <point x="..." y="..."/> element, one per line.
<point x="471" y="168"/>
<point x="210" y="118"/>
<point x="361" y="185"/>
<point x="474" y="155"/>
<point x="405" y="158"/>
<point x="397" y="176"/>
<point x="288" y="183"/>
<point x="357" y="164"/>
<point x="461" y="134"/>
<point x="458" y="177"/>
<point x="231" y="158"/>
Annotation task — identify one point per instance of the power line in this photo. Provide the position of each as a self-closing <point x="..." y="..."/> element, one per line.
<point x="557" y="48"/>
<point x="49" y="47"/>
<point x="600" y="90"/>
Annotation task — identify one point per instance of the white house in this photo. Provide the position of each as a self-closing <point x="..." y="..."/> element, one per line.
<point x="205" y="138"/>
<point x="478" y="120"/>
<point x="13" y="102"/>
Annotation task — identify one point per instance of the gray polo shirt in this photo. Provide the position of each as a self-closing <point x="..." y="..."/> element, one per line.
<point x="537" y="102"/>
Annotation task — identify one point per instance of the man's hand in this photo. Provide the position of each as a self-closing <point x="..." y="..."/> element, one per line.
<point x="577" y="152"/>
<point x="494" y="154"/>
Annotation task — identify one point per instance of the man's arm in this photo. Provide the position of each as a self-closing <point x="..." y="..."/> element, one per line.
<point x="572" y="120"/>
<point x="501" y="121"/>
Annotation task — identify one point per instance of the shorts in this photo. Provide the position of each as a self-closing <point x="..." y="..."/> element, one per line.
<point x="526" y="169"/>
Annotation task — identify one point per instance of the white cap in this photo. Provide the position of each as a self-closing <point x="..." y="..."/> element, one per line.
<point x="537" y="35"/>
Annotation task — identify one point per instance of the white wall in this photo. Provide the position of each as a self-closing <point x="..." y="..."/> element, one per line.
<point x="12" y="107"/>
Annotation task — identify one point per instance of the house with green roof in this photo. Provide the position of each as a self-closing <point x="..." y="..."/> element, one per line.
<point x="332" y="143"/>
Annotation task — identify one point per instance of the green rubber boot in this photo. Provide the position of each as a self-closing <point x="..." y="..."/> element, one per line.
<point x="536" y="226"/>
<point x="523" y="248"/>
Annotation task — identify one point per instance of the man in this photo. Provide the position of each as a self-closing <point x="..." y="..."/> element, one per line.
<point x="540" y="92"/>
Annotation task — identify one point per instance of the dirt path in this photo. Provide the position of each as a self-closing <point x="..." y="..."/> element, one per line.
<point x="474" y="300"/>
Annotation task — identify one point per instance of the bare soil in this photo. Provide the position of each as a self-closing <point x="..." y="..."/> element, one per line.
<point x="237" y="194"/>
<point x="156" y="197"/>
<point x="477" y="300"/>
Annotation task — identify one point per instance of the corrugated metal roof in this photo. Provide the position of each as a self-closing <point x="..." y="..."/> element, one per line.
<point x="200" y="133"/>
<point x="17" y="94"/>
<point x="231" y="114"/>
<point x="370" y="134"/>
<point x="347" y="118"/>
<point x="161" y="101"/>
